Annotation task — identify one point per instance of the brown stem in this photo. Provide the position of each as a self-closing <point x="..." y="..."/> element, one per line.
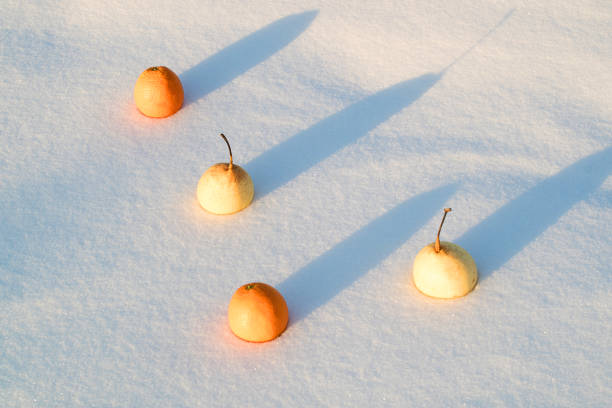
<point x="437" y="245"/>
<point x="231" y="163"/>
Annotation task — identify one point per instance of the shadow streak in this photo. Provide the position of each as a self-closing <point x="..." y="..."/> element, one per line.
<point x="303" y="150"/>
<point x="234" y="60"/>
<point x="285" y="161"/>
<point x="482" y="39"/>
<point x="325" y="277"/>
<point x="511" y="228"/>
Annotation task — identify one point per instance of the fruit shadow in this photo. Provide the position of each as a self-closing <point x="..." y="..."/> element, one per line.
<point x="506" y="232"/>
<point x="285" y="161"/>
<point x="234" y="60"/>
<point x="321" y="280"/>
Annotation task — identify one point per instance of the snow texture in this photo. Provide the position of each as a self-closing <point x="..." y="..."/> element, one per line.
<point x="359" y="121"/>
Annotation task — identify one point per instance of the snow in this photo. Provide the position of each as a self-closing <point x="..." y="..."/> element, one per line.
<point x="358" y="122"/>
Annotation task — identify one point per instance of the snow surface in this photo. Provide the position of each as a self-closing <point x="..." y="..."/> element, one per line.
<point x="358" y="122"/>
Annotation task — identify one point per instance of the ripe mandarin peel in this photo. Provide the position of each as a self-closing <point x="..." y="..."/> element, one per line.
<point x="158" y="92"/>
<point x="257" y="312"/>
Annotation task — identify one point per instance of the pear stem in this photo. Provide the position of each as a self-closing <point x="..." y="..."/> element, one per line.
<point x="437" y="245"/>
<point x="231" y="162"/>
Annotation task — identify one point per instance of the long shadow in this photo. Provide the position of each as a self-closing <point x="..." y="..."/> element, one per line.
<point x="506" y="232"/>
<point x="280" y="164"/>
<point x="288" y="159"/>
<point x="322" y="279"/>
<point x="234" y="60"/>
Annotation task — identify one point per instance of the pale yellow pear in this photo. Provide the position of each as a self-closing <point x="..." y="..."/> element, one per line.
<point x="225" y="188"/>
<point x="444" y="270"/>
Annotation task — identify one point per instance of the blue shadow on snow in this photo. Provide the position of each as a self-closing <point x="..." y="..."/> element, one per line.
<point x="234" y="60"/>
<point x="506" y="232"/>
<point x="285" y="161"/>
<point x="322" y="279"/>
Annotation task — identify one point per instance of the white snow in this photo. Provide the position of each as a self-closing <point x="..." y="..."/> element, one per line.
<point x="358" y="122"/>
